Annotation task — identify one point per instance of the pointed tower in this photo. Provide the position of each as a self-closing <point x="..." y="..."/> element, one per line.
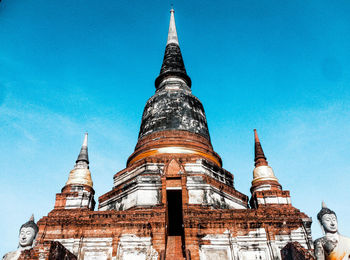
<point x="173" y="66"/>
<point x="174" y="150"/>
<point x="174" y="166"/>
<point x="173" y="113"/>
<point x="78" y="191"/>
<point x="266" y="190"/>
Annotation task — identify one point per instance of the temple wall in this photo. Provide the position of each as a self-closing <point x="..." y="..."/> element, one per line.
<point x="202" y="167"/>
<point x="147" y="168"/>
<point x="83" y="199"/>
<point x="202" y="193"/>
<point x="299" y="235"/>
<point x="274" y="200"/>
<point x="138" y="248"/>
<point x="129" y="247"/>
<point x="254" y="245"/>
<point x="89" y="248"/>
<point x="142" y="191"/>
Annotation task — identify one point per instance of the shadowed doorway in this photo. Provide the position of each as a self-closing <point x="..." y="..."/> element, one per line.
<point x="175" y="227"/>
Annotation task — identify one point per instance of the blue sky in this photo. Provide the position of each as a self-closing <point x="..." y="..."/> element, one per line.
<point x="67" y="67"/>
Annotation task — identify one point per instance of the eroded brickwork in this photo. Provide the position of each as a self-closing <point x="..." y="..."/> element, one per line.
<point x="210" y="228"/>
<point x="294" y="251"/>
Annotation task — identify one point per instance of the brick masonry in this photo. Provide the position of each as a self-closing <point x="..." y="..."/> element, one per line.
<point x="174" y="162"/>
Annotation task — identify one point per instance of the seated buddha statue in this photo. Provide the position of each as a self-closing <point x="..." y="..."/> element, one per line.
<point x="27" y="235"/>
<point x="332" y="246"/>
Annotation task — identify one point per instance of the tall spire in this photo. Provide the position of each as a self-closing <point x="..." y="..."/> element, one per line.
<point x="173" y="64"/>
<point x="172" y="34"/>
<point x="263" y="173"/>
<point x="83" y="155"/>
<point x="78" y="192"/>
<point x="81" y="174"/>
<point x="173" y="110"/>
<point x="264" y="180"/>
<point x="260" y="158"/>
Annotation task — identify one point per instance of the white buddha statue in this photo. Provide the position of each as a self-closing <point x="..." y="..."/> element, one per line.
<point x="332" y="246"/>
<point x="27" y="235"/>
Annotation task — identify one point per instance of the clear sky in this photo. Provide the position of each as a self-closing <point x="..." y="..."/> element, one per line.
<point x="67" y="67"/>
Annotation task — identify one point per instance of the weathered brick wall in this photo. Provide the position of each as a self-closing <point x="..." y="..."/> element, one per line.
<point x="294" y="251"/>
<point x="241" y="231"/>
<point x="51" y="250"/>
<point x="58" y="251"/>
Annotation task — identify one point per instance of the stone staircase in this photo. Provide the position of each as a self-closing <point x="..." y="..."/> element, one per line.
<point x="174" y="248"/>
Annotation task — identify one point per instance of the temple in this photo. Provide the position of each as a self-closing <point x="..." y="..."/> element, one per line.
<point x="174" y="200"/>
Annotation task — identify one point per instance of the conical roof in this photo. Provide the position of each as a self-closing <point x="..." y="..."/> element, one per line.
<point x="173" y="116"/>
<point x="83" y="155"/>
<point x="173" y="107"/>
<point x="173" y="64"/>
<point x="260" y="158"/>
<point x="81" y="175"/>
<point x="262" y="172"/>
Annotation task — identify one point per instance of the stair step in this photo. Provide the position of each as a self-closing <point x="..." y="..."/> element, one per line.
<point x="174" y="248"/>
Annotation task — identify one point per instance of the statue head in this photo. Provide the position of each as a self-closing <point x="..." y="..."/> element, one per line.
<point x="328" y="219"/>
<point x="27" y="233"/>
